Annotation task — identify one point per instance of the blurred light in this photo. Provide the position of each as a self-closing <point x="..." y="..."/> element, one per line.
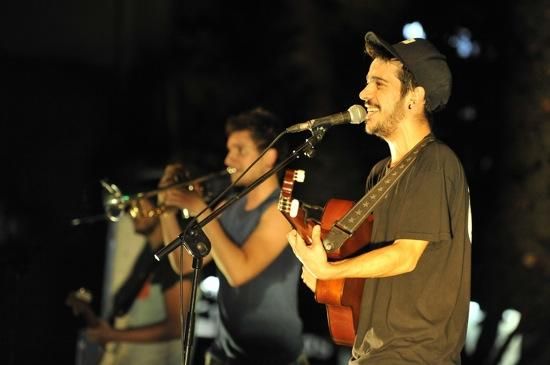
<point x="475" y="320"/>
<point x="486" y="163"/>
<point x="210" y="286"/>
<point x="413" y="30"/>
<point x="463" y="43"/>
<point x="508" y="323"/>
<point x="467" y="113"/>
<point x="317" y="347"/>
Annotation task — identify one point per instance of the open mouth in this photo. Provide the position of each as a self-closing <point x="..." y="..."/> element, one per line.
<point x="371" y="110"/>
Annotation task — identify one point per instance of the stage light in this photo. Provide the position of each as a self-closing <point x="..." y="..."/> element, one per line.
<point x="463" y="43"/>
<point x="413" y="30"/>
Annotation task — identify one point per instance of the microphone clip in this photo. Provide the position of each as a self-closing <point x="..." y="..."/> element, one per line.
<point x="195" y="241"/>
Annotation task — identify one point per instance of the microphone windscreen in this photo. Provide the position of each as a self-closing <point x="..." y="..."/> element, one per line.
<point x="358" y="114"/>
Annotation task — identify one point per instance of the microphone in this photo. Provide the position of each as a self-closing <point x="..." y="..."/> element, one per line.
<point x="354" y="115"/>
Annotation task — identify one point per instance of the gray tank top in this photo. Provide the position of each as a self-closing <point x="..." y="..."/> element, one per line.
<point x="259" y="320"/>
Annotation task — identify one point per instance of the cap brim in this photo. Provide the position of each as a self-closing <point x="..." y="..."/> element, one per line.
<point x="372" y="40"/>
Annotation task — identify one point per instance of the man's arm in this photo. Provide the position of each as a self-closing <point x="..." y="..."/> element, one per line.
<point x="398" y="258"/>
<point x="170" y="224"/>
<point x="240" y="264"/>
<point x="165" y="330"/>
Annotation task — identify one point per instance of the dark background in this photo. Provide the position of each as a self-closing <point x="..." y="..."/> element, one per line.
<point x="116" y="89"/>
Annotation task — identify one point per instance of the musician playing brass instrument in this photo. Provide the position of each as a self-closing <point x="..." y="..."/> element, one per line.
<point x="259" y="321"/>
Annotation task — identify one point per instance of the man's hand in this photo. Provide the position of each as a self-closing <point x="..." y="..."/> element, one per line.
<point x="312" y="256"/>
<point x="101" y="334"/>
<point x="180" y="196"/>
<point x="173" y="173"/>
<point x="181" y="199"/>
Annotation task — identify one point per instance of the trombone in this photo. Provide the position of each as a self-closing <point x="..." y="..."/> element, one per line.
<point x="116" y="203"/>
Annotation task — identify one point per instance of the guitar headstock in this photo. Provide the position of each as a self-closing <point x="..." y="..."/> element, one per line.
<point x="287" y="204"/>
<point x="80" y="303"/>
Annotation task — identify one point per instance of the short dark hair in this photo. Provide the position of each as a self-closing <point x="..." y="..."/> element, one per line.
<point x="263" y="125"/>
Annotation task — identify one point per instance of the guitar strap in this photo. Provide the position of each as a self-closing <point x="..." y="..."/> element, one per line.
<point x="352" y="220"/>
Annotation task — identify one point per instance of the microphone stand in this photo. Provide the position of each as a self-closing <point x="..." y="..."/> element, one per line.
<point x="196" y="243"/>
<point x="199" y="247"/>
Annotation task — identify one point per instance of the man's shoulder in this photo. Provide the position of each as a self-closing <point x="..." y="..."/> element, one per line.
<point x="440" y="154"/>
<point x="380" y="166"/>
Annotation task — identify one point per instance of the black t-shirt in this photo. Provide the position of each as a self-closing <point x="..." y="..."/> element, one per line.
<point x="420" y="317"/>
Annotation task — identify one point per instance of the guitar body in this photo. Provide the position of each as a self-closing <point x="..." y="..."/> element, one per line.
<point x="342" y="297"/>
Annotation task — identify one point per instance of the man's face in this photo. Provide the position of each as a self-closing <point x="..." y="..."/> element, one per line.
<point x="241" y="152"/>
<point x="382" y="97"/>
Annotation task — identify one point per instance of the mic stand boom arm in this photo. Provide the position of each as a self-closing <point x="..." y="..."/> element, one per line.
<point x="189" y="239"/>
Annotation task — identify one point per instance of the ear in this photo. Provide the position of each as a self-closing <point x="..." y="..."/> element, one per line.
<point x="418" y="96"/>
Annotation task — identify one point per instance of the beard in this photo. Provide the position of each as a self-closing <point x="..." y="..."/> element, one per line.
<point x="386" y="127"/>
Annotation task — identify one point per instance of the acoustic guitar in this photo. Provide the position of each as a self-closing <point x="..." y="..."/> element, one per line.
<point x="342" y="297"/>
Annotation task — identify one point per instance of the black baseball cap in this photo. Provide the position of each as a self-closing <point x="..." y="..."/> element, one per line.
<point x="428" y="66"/>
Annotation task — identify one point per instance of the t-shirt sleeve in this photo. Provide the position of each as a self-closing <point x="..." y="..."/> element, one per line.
<point x="425" y="214"/>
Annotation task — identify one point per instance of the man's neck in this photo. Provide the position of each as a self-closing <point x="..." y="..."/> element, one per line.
<point x="259" y="194"/>
<point x="404" y="139"/>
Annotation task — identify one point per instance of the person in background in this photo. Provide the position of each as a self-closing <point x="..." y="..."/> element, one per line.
<point x="150" y="300"/>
